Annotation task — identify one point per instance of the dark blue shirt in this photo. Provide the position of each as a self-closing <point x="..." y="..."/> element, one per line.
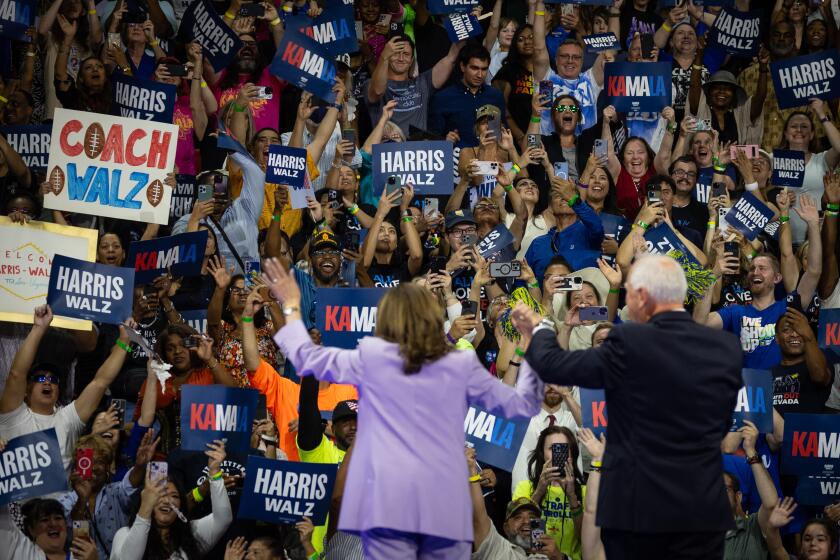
<point x="579" y="244"/>
<point x="454" y="107"/>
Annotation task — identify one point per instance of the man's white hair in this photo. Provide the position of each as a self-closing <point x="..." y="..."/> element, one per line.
<point x="661" y="276"/>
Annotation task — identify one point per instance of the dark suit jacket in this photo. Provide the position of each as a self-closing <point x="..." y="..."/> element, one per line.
<point x="670" y="386"/>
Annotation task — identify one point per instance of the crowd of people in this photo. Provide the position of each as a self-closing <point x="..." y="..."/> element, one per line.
<point x="577" y="184"/>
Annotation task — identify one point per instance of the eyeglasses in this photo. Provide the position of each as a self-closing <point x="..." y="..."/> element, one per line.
<point x="459" y="233"/>
<point x="485" y="206"/>
<point x="240" y="291"/>
<point x="44" y="379"/>
<point x="684" y="173"/>
<point x="572" y="57"/>
<point x="331" y="253"/>
<point x="566" y="108"/>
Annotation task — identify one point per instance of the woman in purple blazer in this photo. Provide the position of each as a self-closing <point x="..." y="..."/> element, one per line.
<point x="407" y="491"/>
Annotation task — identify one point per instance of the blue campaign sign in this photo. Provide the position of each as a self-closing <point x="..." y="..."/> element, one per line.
<point x="439" y="7"/>
<point x="201" y="22"/>
<point x="137" y="98"/>
<point x="428" y="165"/>
<point x="788" y="168"/>
<point x="90" y="291"/>
<point x="183" y="197"/>
<point x="593" y="410"/>
<point x="287" y="491"/>
<point x="755" y="401"/>
<point x="661" y="240"/>
<point x="31" y="142"/>
<point x="749" y="215"/>
<point x="601" y="42"/>
<point x="16" y="16"/>
<point x="496" y="439"/>
<point x="335" y="28"/>
<point x="672" y="3"/>
<point x="179" y="254"/>
<point x="305" y="63"/>
<point x="811" y="445"/>
<point x="497" y="245"/>
<point x="211" y="412"/>
<point x="285" y="165"/>
<point x="796" y="80"/>
<point x="195" y="318"/>
<point x="638" y="86"/>
<point x="461" y="27"/>
<point x="828" y="333"/>
<point x="31" y="466"/>
<point x="817" y="490"/>
<point x="346" y="315"/>
<point x="226" y="141"/>
<point x="737" y="32"/>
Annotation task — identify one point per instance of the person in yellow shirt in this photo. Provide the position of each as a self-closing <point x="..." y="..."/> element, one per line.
<point x="559" y="497"/>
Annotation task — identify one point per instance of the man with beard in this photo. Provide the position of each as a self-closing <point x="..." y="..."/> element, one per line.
<point x="781" y="43"/>
<point x="249" y="69"/>
<point x="686" y="212"/>
<point x="560" y="407"/>
<point x="702" y="151"/>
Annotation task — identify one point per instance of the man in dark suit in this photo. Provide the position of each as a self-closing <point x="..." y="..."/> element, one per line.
<point x="670" y="386"/>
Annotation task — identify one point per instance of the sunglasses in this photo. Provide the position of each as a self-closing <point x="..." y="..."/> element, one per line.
<point x="238" y="291"/>
<point x="566" y="108"/>
<point x="44" y="379"/>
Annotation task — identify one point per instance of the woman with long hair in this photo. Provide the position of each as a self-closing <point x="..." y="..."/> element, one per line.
<point x="818" y="540"/>
<point x="538" y="219"/>
<point x="409" y="357"/>
<point x="160" y="531"/>
<point x="498" y="39"/>
<point x="557" y="489"/>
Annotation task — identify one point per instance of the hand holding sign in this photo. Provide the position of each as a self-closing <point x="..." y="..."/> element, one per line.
<point x="216" y="454"/>
<point x="749" y="433"/>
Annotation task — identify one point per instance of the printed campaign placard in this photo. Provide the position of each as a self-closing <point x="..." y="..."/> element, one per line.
<point x="755" y="401"/>
<point x="335" y="28"/>
<point x="593" y="410"/>
<point x="638" y="86"/>
<point x="811" y="445"/>
<point x="828" y="333"/>
<point x="462" y="26"/>
<point x="201" y="22"/>
<point x="788" y="168"/>
<point x="31" y="142"/>
<point x="427" y="165"/>
<point x="183" y="197"/>
<point x="440" y="7"/>
<point x="26" y="255"/>
<point x="136" y="98"/>
<point x="285" y="165"/>
<point x="496" y="439"/>
<point x="211" y="412"/>
<point x="749" y="215"/>
<point x="601" y="42"/>
<point x="305" y="63"/>
<point x="181" y="255"/>
<point x="31" y="466"/>
<point x="346" y="315"/>
<point x="86" y="290"/>
<point x="796" y="80"/>
<point x="737" y="32"/>
<point x="497" y="245"/>
<point x="111" y="166"/>
<point x="298" y="196"/>
<point x="195" y="318"/>
<point x="16" y="16"/>
<point x="287" y="491"/>
<point x="661" y="240"/>
<point x="817" y="490"/>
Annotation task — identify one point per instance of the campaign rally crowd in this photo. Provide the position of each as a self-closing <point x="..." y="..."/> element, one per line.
<point x="157" y="157"/>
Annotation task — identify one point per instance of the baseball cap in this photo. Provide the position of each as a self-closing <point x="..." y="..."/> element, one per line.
<point x="324" y="239"/>
<point x="456" y="217"/>
<point x="487" y="111"/>
<point x="343" y="58"/>
<point x="345" y="409"/>
<point x="520" y="503"/>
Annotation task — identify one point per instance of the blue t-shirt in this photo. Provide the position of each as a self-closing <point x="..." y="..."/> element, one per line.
<point x="757" y="331"/>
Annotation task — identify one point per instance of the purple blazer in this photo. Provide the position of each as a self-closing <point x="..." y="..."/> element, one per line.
<point x="408" y="470"/>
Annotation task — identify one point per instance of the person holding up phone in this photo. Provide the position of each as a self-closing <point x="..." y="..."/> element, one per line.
<point x="381" y="253"/>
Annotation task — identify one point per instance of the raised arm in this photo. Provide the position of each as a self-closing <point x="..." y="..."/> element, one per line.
<point x="327" y="125"/>
<point x="149" y="404"/>
<point x="760" y="95"/>
<point x="613" y="164"/>
<point x="443" y="69"/>
<point x="386" y="202"/>
<point x="830" y="271"/>
<point x="379" y="80"/>
<point x="807" y="210"/>
<point x="814" y="358"/>
<point x="832" y="157"/>
<point x="541" y="56"/>
<point x="590" y="534"/>
<point x="481" y="521"/>
<point x="222" y="274"/>
<point x="310" y="428"/>
<point x="209" y="529"/>
<point x="250" y="349"/>
<point x="492" y="34"/>
<point x="15" y="389"/>
<point x="89" y="399"/>
<point x="766" y="488"/>
<point x="409" y="232"/>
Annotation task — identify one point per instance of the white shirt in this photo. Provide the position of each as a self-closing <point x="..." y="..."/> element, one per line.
<point x="68" y="427"/>
<point x="327" y="157"/>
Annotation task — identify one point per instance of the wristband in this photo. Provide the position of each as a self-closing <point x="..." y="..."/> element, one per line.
<point x="197" y="497"/>
<point x="519" y="352"/>
<point x="539" y="13"/>
<point x="353" y="209"/>
<point x="825" y="120"/>
<point x="614" y="291"/>
<point x="214" y="365"/>
<point x="154" y="43"/>
<point x="247" y="319"/>
<point x="313" y="556"/>
<point x="516" y="168"/>
<point x="596" y="464"/>
<point x="238" y="109"/>
<point x="711" y="223"/>
<point x="831" y="213"/>
<point x="719" y="168"/>
<point x="475" y="478"/>
<point x="92" y="12"/>
<point x="30" y="53"/>
<point x="275" y="21"/>
<point x="516" y="364"/>
<point x="715" y="160"/>
<point x="219" y="474"/>
<point x="408" y="219"/>
<point x="667" y="27"/>
<point x="672" y="127"/>
<point x="534" y="285"/>
<point x="583" y="185"/>
<point x="643" y="225"/>
<point x="123" y="345"/>
<point x="834" y="207"/>
<point x="3" y="99"/>
<point x="275" y="218"/>
<point x="754" y="460"/>
<point x="574" y="200"/>
<point x="784" y="219"/>
<point x="230" y="15"/>
<point x="536" y="119"/>
<point x="451" y="339"/>
<point x="507" y="188"/>
<point x="752" y="255"/>
<point x="203" y="84"/>
<point x="751" y="186"/>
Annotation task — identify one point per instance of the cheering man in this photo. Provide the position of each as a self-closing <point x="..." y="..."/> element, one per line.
<point x="661" y="493"/>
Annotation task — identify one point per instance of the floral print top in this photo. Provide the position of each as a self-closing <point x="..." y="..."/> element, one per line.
<point x="231" y="356"/>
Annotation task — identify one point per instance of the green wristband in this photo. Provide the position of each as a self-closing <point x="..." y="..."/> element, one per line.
<point x="614" y="291"/>
<point x="247" y="319"/>
<point x="574" y="200"/>
<point x="835" y="207"/>
<point x="519" y="352"/>
<point x="124" y="346"/>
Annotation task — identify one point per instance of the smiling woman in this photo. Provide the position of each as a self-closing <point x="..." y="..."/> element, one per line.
<point x="44" y="530"/>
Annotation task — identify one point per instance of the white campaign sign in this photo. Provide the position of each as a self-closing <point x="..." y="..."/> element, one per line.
<point x="110" y="166"/>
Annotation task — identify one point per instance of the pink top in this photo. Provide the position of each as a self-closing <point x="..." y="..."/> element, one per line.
<point x="266" y="111"/>
<point x="185" y="154"/>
